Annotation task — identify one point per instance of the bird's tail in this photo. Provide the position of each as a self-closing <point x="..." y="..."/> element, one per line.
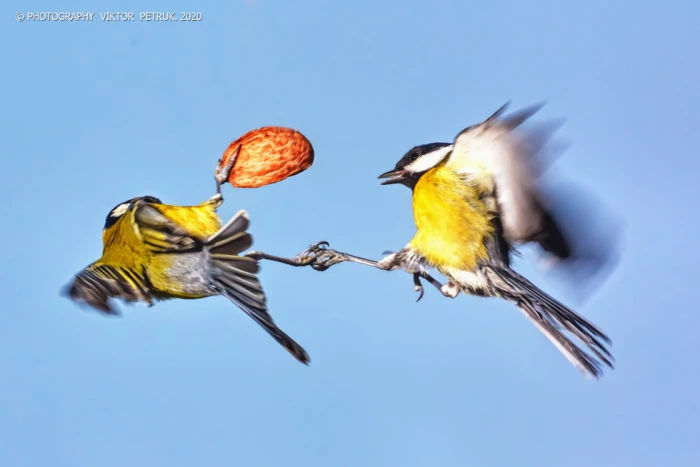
<point x="550" y="316"/>
<point x="235" y="277"/>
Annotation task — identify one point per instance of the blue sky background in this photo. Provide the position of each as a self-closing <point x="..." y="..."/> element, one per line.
<point x="96" y="113"/>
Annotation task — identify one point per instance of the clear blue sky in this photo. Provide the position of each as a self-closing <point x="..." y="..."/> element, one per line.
<point x="96" y="113"/>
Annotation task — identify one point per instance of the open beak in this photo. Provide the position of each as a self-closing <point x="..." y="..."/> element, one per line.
<point x="393" y="176"/>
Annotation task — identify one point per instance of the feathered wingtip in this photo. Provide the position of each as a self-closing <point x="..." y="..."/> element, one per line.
<point x="71" y="292"/>
<point x="497" y="113"/>
<point x="516" y="119"/>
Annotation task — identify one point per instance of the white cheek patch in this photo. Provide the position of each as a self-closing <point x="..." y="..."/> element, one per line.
<point x="119" y="210"/>
<point x="429" y="160"/>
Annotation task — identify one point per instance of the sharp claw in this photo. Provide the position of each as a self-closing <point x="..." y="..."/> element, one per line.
<point x="387" y="252"/>
<point x="420" y="290"/>
<point x="313" y="256"/>
<point x="310" y="250"/>
<point x="418" y="287"/>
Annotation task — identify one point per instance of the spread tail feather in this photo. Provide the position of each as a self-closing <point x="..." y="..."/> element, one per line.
<point x="235" y="277"/>
<point x="550" y="316"/>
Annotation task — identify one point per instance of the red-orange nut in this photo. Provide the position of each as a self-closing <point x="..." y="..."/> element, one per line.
<point x="268" y="155"/>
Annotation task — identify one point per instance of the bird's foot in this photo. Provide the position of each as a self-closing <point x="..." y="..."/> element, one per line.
<point x="450" y="290"/>
<point x="221" y="174"/>
<point x="417" y="286"/>
<point x="319" y="256"/>
<point x="217" y="200"/>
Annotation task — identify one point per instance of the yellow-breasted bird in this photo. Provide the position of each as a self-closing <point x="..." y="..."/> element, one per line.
<point x="155" y="251"/>
<point x="474" y="201"/>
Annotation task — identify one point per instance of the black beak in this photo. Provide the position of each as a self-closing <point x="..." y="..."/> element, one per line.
<point x="393" y="176"/>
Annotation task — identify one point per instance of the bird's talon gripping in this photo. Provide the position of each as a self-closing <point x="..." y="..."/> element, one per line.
<point x="319" y="256"/>
<point x="420" y="290"/>
<point x="310" y="251"/>
<point x="221" y="175"/>
<point x="418" y="287"/>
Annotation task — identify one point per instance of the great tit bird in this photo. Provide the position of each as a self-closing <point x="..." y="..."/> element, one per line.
<point x="154" y="251"/>
<point x="474" y="201"/>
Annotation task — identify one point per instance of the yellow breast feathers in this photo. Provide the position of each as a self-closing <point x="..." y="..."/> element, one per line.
<point x="123" y="246"/>
<point x="451" y="219"/>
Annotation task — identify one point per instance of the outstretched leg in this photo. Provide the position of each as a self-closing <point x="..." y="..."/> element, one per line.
<point x="317" y="256"/>
<point x="320" y="258"/>
<point x="221" y="175"/>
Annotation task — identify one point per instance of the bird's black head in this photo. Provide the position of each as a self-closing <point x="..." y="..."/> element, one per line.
<point x="417" y="161"/>
<point x="120" y="209"/>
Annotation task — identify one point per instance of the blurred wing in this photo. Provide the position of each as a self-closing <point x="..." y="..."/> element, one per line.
<point x="99" y="282"/>
<point x="493" y="155"/>
<point x="567" y="223"/>
<point x="158" y="233"/>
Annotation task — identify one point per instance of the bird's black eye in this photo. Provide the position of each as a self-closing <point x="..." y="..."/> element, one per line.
<point x="413" y="156"/>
